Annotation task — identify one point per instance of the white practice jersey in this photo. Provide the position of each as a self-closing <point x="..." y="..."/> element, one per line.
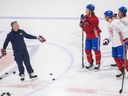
<point x="114" y="28"/>
<point x="124" y="20"/>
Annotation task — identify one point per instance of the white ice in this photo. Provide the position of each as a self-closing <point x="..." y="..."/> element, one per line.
<point x="58" y="22"/>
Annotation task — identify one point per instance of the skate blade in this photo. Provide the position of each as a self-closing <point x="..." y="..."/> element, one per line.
<point x="33" y="79"/>
<point x="96" y="70"/>
<point x="89" y="69"/>
<point x="22" y="80"/>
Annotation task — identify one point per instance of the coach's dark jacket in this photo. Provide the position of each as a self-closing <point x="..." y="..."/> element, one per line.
<point x="17" y="40"/>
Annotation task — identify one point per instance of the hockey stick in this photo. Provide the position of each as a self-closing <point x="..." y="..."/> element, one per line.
<point x="122" y="85"/>
<point x="82" y="49"/>
<point x="1" y="56"/>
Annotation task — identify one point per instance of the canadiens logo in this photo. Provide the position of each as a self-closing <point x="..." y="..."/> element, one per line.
<point x="21" y="33"/>
<point x="110" y="30"/>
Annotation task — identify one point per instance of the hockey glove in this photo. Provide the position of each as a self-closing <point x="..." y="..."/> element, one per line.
<point x="82" y="17"/>
<point x="125" y="41"/>
<point x="3" y="52"/>
<point x="83" y="21"/>
<point x="41" y="39"/>
<point x="105" y="41"/>
<point x="115" y="16"/>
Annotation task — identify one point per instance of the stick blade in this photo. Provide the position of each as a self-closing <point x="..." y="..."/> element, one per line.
<point x="82" y="65"/>
<point x="120" y="91"/>
<point x="82" y="62"/>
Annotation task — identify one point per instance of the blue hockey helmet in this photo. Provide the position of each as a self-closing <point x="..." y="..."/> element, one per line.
<point x="90" y="7"/>
<point x="108" y="13"/>
<point x="123" y="9"/>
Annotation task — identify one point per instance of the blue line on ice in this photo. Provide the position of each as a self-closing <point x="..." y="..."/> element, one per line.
<point x="41" y="18"/>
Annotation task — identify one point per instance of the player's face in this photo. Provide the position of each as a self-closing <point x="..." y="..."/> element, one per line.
<point x="106" y="18"/>
<point x="15" y="27"/>
<point x="87" y="12"/>
<point x="119" y="14"/>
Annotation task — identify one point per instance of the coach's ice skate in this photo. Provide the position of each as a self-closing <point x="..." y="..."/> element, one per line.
<point x="22" y="77"/>
<point x="33" y="76"/>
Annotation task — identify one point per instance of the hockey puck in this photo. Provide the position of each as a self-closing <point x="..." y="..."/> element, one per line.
<point x="14" y="72"/>
<point x="3" y="94"/>
<point x="8" y="94"/>
<point x="51" y="74"/>
<point x="0" y="78"/>
<point x="53" y="79"/>
<point x="6" y="73"/>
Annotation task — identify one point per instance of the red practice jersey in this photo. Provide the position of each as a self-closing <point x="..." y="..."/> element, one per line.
<point x="91" y="27"/>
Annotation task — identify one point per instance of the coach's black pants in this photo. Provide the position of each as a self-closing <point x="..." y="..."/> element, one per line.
<point x="23" y="57"/>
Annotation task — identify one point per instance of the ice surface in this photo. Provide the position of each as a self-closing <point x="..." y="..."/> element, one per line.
<point x="61" y="53"/>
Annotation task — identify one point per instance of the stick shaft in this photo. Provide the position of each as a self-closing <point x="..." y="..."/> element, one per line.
<point x="82" y="49"/>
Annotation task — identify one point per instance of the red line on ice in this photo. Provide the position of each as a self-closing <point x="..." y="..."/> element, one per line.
<point x="81" y="90"/>
<point x="6" y="61"/>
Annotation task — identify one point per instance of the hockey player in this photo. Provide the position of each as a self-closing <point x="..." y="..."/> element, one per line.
<point x="122" y="15"/>
<point x="123" y="18"/>
<point x="115" y="17"/>
<point x="117" y="34"/>
<point x="16" y="37"/>
<point x="90" y="25"/>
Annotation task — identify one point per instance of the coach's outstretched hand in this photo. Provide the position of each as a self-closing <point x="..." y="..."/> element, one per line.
<point x="41" y="39"/>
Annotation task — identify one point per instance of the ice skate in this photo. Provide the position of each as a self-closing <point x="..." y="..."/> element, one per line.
<point x="113" y="65"/>
<point x="97" y="67"/>
<point x="32" y="76"/>
<point x="22" y="77"/>
<point x="90" y="65"/>
<point x="120" y="74"/>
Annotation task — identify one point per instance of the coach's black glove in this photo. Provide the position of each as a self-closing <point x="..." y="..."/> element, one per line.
<point x="3" y="52"/>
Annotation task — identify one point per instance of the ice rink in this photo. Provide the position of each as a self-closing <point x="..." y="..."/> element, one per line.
<point x="57" y="62"/>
